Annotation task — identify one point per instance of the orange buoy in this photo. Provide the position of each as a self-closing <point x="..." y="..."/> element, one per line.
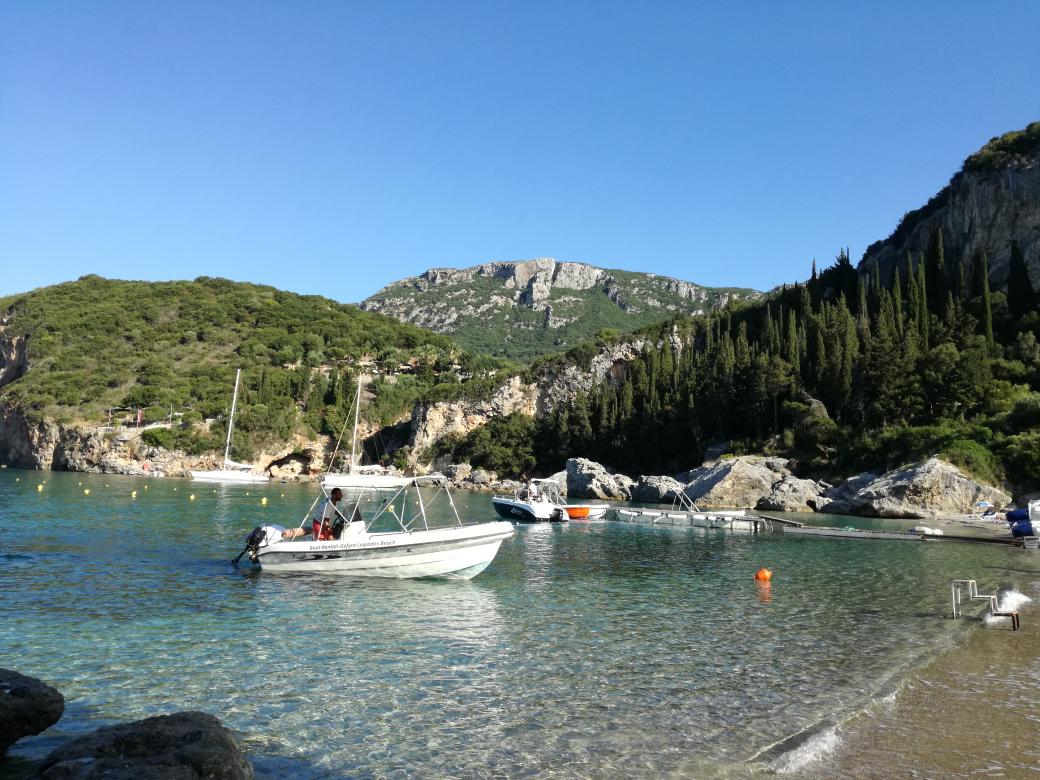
<point x="763" y="575"/>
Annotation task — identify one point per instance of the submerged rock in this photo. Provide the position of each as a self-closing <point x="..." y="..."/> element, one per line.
<point x="587" y="479"/>
<point x="927" y="489"/>
<point x="181" y="746"/>
<point x="27" y="707"/>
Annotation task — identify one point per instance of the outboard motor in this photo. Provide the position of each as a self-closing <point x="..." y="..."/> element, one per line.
<point x="256" y="537"/>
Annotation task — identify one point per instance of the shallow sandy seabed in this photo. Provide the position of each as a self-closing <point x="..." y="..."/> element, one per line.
<point x="973" y="712"/>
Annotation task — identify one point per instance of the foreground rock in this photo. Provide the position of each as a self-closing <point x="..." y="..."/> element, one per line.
<point x="182" y="746"/>
<point x="931" y="488"/>
<point x="587" y="479"/>
<point x="27" y="707"/>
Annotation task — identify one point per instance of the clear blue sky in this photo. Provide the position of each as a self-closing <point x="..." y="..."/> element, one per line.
<point x="333" y="147"/>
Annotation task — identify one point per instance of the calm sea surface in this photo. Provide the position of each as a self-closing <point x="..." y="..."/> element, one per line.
<point x="585" y="650"/>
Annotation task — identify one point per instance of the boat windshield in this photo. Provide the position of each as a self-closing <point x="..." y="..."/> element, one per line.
<point x="421" y="505"/>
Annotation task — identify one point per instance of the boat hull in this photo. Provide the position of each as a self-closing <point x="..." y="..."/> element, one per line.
<point x="229" y="477"/>
<point x="455" y="553"/>
<point x="522" y="512"/>
<point x="364" y="481"/>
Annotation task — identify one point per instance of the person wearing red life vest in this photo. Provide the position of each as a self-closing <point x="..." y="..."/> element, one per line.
<point x="330" y="510"/>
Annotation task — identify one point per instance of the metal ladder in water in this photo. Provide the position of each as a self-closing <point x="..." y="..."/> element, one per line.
<point x="974" y="595"/>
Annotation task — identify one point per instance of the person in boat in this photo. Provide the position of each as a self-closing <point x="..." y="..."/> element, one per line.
<point x="322" y="527"/>
<point x="326" y="525"/>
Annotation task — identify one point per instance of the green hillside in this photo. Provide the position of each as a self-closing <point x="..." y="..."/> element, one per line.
<point x="99" y="344"/>
<point x="526" y="310"/>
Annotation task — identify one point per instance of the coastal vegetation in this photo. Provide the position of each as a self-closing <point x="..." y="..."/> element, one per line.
<point x="101" y="349"/>
<point x="843" y="373"/>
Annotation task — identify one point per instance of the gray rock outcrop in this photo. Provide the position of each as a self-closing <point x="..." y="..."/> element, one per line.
<point x="182" y="746"/>
<point x="927" y="489"/>
<point x="27" y="707"/>
<point x="751" y="481"/>
<point x="656" y="490"/>
<point x="587" y="479"/>
<point x="791" y="494"/>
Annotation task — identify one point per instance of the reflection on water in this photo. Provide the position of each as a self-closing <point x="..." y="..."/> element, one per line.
<point x="600" y="649"/>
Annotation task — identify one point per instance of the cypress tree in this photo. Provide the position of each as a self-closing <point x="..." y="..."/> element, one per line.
<point x="922" y="305"/>
<point x="987" y="306"/>
<point x="1021" y="297"/>
<point x="935" y="273"/>
<point x="897" y="301"/>
<point x="791" y="353"/>
<point x="912" y="296"/>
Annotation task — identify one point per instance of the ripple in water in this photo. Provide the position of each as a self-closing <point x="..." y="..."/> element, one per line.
<point x="590" y="650"/>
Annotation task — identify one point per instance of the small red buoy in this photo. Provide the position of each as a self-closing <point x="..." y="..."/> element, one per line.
<point x="763" y="575"/>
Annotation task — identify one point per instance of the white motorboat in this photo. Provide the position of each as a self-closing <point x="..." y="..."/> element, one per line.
<point x="234" y="473"/>
<point x="408" y="547"/>
<point x="358" y="477"/>
<point x="536" y="502"/>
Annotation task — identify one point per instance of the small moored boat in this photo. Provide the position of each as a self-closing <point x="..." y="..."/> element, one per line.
<point x="385" y="537"/>
<point x="536" y="502"/>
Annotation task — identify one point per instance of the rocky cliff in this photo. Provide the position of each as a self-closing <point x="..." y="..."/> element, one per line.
<point x="993" y="200"/>
<point x="525" y="309"/>
<point x="550" y="386"/>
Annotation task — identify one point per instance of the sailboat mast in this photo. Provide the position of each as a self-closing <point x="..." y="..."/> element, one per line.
<point x="231" y="420"/>
<point x="353" y="439"/>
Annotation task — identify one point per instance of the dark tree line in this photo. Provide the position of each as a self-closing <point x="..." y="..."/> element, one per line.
<point x="928" y="358"/>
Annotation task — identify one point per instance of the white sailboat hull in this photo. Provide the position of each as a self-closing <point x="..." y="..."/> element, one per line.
<point x="448" y="553"/>
<point x="364" y="481"/>
<point x="229" y="476"/>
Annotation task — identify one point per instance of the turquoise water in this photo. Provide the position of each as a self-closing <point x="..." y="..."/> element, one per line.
<point x="601" y="649"/>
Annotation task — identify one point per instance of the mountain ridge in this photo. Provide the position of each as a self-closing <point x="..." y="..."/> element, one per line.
<point x="540" y="306"/>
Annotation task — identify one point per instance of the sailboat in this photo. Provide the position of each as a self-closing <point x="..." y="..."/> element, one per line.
<point x="358" y="477"/>
<point x="238" y="473"/>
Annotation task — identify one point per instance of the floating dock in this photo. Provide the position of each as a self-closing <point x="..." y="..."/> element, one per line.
<point x="851" y="533"/>
<point x="728" y="521"/>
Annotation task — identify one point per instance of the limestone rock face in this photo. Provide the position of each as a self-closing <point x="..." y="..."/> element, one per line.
<point x="927" y="489"/>
<point x="980" y="211"/>
<point x="14" y="355"/>
<point x="182" y="746"/>
<point x="560" y="478"/>
<point x="791" y="494"/>
<point x="587" y="479"/>
<point x="457" y="472"/>
<point x="433" y="422"/>
<point x="656" y="490"/>
<point x="482" y="478"/>
<point x="27" y="707"/>
<point x="735" y="482"/>
<point x="464" y="302"/>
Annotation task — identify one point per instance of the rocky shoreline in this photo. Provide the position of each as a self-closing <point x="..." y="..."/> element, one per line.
<point x="180" y="745"/>
<point x="930" y="489"/>
<point x="926" y="490"/>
